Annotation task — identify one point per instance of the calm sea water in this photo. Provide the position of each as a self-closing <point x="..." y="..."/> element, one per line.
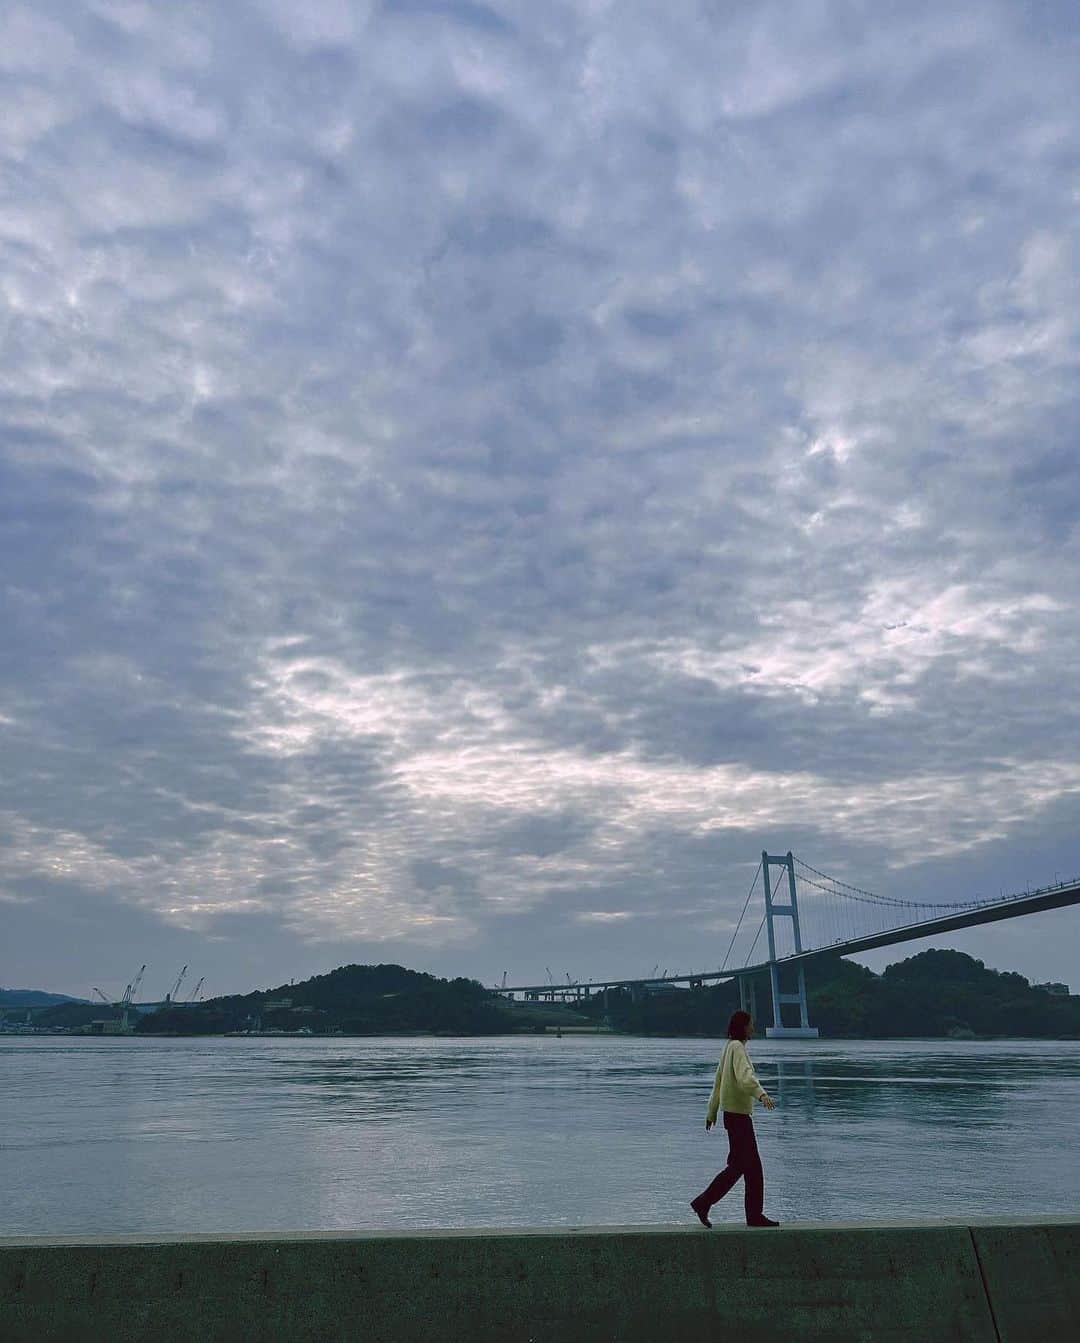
<point x="102" y="1136"/>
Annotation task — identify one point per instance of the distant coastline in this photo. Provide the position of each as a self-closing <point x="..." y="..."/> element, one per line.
<point x="933" y="995"/>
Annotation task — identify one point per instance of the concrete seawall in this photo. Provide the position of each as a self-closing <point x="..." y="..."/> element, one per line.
<point x="991" y="1282"/>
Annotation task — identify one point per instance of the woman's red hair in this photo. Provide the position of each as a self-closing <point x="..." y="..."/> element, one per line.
<point x="738" y="1025"/>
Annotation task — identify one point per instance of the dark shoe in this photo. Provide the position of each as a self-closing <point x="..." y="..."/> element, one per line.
<point x="701" y="1212"/>
<point x="763" y="1221"/>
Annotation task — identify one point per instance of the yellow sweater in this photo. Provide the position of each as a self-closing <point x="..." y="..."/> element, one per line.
<point x="736" y="1086"/>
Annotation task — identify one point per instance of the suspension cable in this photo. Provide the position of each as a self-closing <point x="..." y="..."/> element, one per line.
<point x="735" y="934"/>
<point x="834" y="888"/>
<point x="753" y="944"/>
<point x="849" y="892"/>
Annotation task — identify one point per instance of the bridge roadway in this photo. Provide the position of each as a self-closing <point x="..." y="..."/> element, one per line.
<point x="1011" y="907"/>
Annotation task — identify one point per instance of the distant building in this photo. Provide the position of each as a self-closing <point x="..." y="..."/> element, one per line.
<point x="107" y="1026"/>
<point x="273" y="1004"/>
<point x="1058" y="990"/>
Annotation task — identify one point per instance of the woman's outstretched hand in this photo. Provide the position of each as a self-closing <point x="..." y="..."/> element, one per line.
<point x="768" y="1102"/>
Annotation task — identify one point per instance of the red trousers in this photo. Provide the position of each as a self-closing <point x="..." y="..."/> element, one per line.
<point x="743" y="1162"/>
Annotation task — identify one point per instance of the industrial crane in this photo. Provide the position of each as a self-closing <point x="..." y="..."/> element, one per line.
<point x="193" y="996"/>
<point x="171" y="995"/>
<point x="133" y="988"/>
<point x="125" y="1002"/>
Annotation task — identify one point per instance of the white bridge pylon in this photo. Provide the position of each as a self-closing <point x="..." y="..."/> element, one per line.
<point x="804" y="1031"/>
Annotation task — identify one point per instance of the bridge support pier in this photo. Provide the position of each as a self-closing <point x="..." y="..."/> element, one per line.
<point x="748" y="995"/>
<point x="804" y="1031"/>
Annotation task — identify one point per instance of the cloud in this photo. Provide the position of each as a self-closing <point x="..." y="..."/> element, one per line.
<point x="473" y="475"/>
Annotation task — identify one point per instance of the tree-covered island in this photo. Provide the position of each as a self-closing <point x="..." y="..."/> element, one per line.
<point x="934" y="994"/>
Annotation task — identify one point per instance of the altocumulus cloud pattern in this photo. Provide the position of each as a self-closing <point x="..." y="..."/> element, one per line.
<point x="473" y="474"/>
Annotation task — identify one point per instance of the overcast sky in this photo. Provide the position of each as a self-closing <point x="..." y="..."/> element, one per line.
<point x="472" y="475"/>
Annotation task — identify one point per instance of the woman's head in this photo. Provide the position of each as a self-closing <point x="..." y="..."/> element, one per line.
<point x="741" y="1026"/>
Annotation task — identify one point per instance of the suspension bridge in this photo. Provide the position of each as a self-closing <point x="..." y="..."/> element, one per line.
<point x="808" y="914"/>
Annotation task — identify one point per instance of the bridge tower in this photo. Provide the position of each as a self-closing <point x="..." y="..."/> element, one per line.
<point x="804" y="1031"/>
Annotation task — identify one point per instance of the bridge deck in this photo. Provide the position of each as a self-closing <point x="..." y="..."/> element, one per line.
<point x="1034" y="902"/>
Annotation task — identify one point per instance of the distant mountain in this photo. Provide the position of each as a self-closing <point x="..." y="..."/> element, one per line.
<point x="354" y="1000"/>
<point x="34" y="998"/>
<point x="936" y="994"/>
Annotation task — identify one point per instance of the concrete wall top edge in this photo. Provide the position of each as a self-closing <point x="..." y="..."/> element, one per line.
<point x="473" y="1233"/>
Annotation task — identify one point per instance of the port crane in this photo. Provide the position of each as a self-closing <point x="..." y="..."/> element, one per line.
<point x="126" y="1001"/>
<point x="193" y="996"/>
<point x="133" y="988"/>
<point x="170" y="997"/>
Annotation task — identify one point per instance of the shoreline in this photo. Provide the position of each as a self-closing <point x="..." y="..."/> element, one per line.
<point x="548" y="1032"/>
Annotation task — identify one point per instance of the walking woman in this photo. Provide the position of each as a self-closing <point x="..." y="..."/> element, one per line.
<point x="735" y="1090"/>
